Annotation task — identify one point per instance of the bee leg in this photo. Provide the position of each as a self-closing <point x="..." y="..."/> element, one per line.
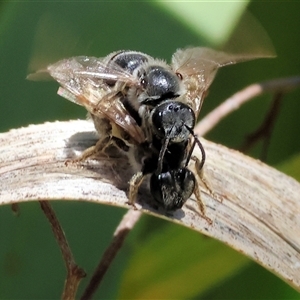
<point x="91" y="151"/>
<point x="134" y="184"/>
<point x="200" y="173"/>
<point x="119" y="144"/>
<point x="201" y="204"/>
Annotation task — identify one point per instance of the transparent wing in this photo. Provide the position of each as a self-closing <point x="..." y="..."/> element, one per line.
<point x="111" y="107"/>
<point x="198" y="67"/>
<point x="75" y="72"/>
<point x="96" y="85"/>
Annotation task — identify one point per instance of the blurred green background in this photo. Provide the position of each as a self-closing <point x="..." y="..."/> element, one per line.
<point x="159" y="260"/>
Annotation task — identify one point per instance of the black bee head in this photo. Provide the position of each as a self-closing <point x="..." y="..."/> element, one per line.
<point x="159" y="84"/>
<point x="173" y="120"/>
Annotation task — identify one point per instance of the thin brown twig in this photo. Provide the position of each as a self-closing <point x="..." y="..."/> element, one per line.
<point x="15" y="208"/>
<point x="283" y="85"/>
<point x="126" y="225"/>
<point x="264" y="131"/>
<point x="74" y="273"/>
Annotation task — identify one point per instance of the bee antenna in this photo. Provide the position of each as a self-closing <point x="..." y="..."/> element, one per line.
<point x="163" y="151"/>
<point x="196" y="141"/>
<point x="161" y="155"/>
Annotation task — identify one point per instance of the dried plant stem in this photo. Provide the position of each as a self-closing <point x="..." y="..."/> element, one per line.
<point x="74" y="273"/>
<point x="235" y="101"/>
<point x="127" y="223"/>
<point x="265" y="129"/>
<point x="259" y="215"/>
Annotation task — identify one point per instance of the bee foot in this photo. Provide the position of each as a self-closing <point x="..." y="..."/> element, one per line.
<point x="132" y="205"/>
<point x="72" y="162"/>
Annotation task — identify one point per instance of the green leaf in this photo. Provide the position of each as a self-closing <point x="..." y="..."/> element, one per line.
<point x="214" y="21"/>
<point x="291" y="166"/>
<point x="176" y="263"/>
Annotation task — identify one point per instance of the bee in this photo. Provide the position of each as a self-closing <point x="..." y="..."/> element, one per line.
<point x="148" y="109"/>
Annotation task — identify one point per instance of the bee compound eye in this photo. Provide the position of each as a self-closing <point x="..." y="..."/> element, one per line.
<point x="172" y="189"/>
